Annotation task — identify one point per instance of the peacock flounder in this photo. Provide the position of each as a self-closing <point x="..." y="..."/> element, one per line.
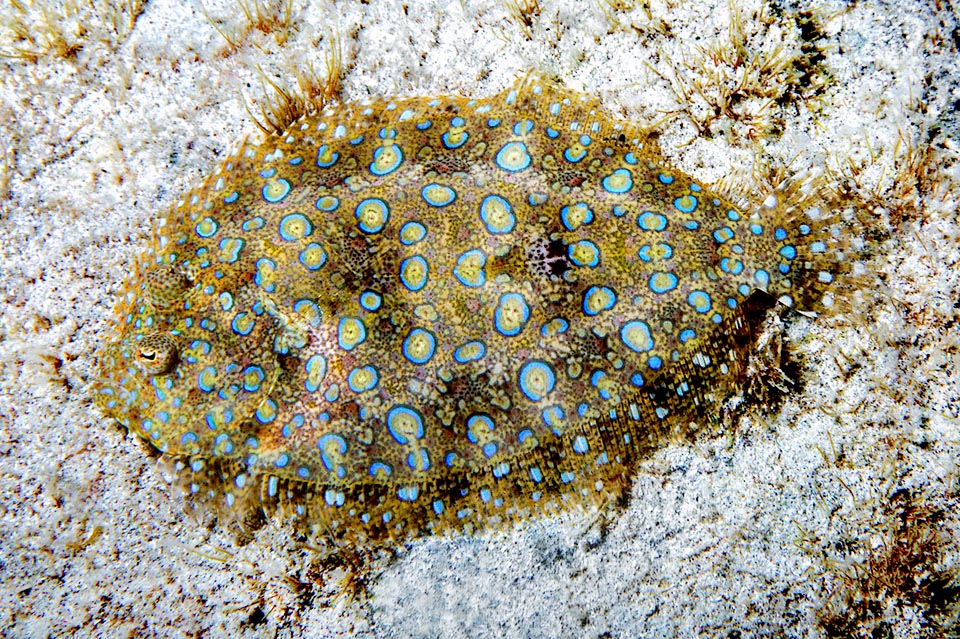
<point x="418" y="315"/>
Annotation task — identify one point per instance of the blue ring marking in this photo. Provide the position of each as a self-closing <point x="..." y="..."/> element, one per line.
<point x="665" y="178"/>
<point x="584" y="253"/>
<point x="744" y="290"/>
<point x="266" y="412"/>
<point x="732" y="303"/>
<point x="400" y="419"/>
<point x="783" y="268"/>
<point x="722" y="235"/>
<point x="414" y="272"/>
<point x="788" y="252"/>
<point x="438" y="195"/>
<point x="804" y="229"/>
<point x="242" y="323"/>
<point x="654" y="363"/>
<point x="370" y="300"/>
<point x="207" y="227"/>
<point x="489" y="450"/>
<point x="662" y="282"/>
<point x="780" y="234"/>
<point x="630" y="158"/>
<point x="536" y="199"/>
<point x="619" y="210"/>
<point x="818" y="247"/>
<point x="620" y="181"/>
<point x="524" y="434"/>
<point x="423" y="461"/>
<point x="424" y="125"/>
<point x="437" y="507"/>
<point x="731" y="265"/>
<point x="372" y="215"/>
<point x="762" y="277"/>
<point x="308" y="310"/>
<point x="553" y="417"/>
<point x="206" y="379"/>
<point x="469" y="352"/>
<point x="454" y="139"/>
<point x="598" y="299"/>
<point x="635" y="334"/>
<point x="252" y="224"/>
<point x="363" y="379"/>
<point x="230" y="249"/>
<point x="536" y="380"/>
<point x="556" y="326"/>
<point x="412" y="232"/>
<point x="222" y="442"/>
<point x="536" y="475"/>
<point x="696" y="188"/>
<point x="339" y="445"/>
<point x="275" y="190"/>
<point x="313" y="256"/>
<point x="513" y="157"/>
<point x="511" y="314"/>
<point x="493" y="123"/>
<point x="469" y="269"/>
<point x="295" y="227"/>
<point x="580" y="445"/>
<point x="252" y="378"/>
<point x="717" y="318"/>
<point x="575" y="215"/>
<point x="686" y="335"/>
<point x="574" y="156"/>
<point x="328" y="203"/>
<point x="756" y="229"/>
<point x="295" y="423"/>
<point x="377" y="468"/>
<point x="326" y="157"/>
<point x="188" y="438"/>
<point x="282" y="460"/>
<point x="351" y="332"/>
<point x="266" y="272"/>
<point x="651" y="221"/>
<point x="552" y="133"/>
<point x="475" y="424"/>
<point x="523" y="127"/>
<point x="686" y="203"/>
<point x="419" y="346"/>
<point x="408" y="493"/>
<point x="637" y="380"/>
<point x="700" y="301"/>
<point x="386" y="159"/>
<point x="691" y="225"/>
<point x="732" y="215"/>
<point x="230" y="199"/>
<point x="567" y="477"/>
<point x="497" y="214"/>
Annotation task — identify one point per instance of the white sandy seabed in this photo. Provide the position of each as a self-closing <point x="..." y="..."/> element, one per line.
<point x="754" y="534"/>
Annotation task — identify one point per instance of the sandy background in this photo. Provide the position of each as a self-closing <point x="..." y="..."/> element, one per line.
<point x="789" y="526"/>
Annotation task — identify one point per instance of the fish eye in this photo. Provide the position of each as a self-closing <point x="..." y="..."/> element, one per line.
<point x="157" y="354"/>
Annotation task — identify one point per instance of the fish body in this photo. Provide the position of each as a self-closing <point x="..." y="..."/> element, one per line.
<point x="429" y="314"/>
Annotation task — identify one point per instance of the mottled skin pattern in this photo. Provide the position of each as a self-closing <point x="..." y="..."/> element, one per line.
<point x="428" y="314"/>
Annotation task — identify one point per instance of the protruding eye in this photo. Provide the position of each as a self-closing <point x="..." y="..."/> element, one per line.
<point x="164" y="288"/>
<point x="157" y="354"/>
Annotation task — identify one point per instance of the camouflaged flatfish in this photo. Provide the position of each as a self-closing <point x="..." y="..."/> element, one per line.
<point x="417" y="315"/>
